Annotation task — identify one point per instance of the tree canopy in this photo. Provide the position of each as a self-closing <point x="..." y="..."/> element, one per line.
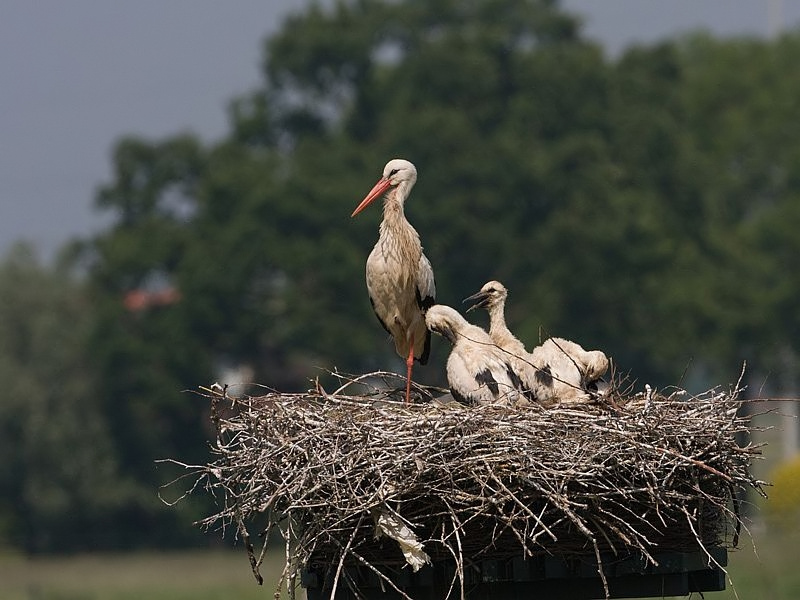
<point x="645" y="205"/>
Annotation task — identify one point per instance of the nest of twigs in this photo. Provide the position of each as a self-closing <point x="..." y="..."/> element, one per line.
<point x="355" y="477"/>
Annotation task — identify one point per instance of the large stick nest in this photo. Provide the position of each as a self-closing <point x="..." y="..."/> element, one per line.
<point x="354" y="477"/>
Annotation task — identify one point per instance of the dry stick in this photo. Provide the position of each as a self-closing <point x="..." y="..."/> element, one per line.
<point x="711" y="559"/>
<point x="457" y="553"/>
<point x="383" y="577"/>
<point x="323" y="459"/>
<point x="525" y="508"/>
<point x="340" y="566"/>
<point x="460" y="559"/>
<point x="697" y="463"/>
<point x="287" y="565"/>
<point x="254" y="565"/>
<point x="737" y="515"/>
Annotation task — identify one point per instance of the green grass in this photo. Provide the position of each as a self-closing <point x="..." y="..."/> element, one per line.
<point x="218" y="575"/>
<point x="765" y="566"/>
<point x="769" y="571"/>
<point x="198" y="575"/>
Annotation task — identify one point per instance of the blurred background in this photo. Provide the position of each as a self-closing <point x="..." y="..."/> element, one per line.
<point x="176" y="181"/>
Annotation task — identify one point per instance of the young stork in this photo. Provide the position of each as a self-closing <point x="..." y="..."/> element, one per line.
<point x="592" y="364"/>
<point x="558" y="370"/>
<point x="399" y="276"/>
<point x="477" y="372"/>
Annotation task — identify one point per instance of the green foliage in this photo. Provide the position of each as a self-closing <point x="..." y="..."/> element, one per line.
<point x="610" y="197"/>
<point x="783" y="507"/>
<point x="646" y="205"/>
<point x="59" y="473"/>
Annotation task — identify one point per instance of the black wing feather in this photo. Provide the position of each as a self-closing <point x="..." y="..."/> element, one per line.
<point x="424" y="304"/>
<point x="426" y="349"/>
<point x="545" y="376"/>
<point x="486" y="378"/>
<point x="515" y="380"/>
<point x="458" y="397"/>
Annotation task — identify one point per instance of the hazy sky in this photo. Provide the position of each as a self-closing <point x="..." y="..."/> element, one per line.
<point x="77" y="75"/>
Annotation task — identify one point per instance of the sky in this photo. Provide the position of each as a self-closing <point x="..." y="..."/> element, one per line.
<point x="77" y="76"/>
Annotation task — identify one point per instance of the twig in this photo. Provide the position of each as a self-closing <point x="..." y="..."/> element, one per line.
<point x="661" y="471"/>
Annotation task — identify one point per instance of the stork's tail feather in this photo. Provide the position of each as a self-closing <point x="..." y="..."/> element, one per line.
<point x="426" y="350"/>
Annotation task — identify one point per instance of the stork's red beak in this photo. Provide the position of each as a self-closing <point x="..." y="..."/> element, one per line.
<point x="376" y="192"/>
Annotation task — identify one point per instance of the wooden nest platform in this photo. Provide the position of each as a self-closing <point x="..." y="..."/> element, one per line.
<point x="363" y="490"/>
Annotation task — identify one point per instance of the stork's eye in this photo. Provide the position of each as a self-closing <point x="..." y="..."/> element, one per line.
<point x="393" y="172"/>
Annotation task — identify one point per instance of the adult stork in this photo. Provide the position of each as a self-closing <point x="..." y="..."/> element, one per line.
<point x="399" y="275"/>
<point x="477" y="371"/>
<point x="558" y="370"/>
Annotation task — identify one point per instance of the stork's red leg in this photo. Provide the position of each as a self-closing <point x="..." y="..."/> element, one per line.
<point x="409" y="365"/>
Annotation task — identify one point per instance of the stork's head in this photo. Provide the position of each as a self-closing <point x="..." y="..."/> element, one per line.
<point x="596" y="364"/>
<point x="398" y="173"/>
<point x="492" y="294"/>
<point x="445" y="321"/>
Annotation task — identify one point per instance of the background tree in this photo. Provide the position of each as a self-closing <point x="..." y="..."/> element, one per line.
<point x="645" y="205"/>
<point x="739" y="107"/>
<point x="592" y="188"/>
<point x="59" y="474"/>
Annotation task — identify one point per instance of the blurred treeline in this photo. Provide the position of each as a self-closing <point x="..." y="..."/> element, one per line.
<point x="646" y="204"/>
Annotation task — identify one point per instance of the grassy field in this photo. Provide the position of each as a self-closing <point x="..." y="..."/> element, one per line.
<point x="218" y="575"/>
<point x="765" y="566"/>
<point x="206" y="575"/>
<point x="767" y="572"/>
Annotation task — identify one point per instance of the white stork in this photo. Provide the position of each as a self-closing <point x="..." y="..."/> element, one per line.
<point x="477" y="372"/>
<point x="399" y="276"/>
<point x="492" y="297"/>
<point x="558" y="370"/>
<point x="592" y="364"/>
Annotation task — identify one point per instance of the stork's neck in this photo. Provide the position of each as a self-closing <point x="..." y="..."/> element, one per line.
<point x="497" y="321"/>
<point x="499" y="331"/>
<point x="394" y="218"/>
<point x="398" y="241"/>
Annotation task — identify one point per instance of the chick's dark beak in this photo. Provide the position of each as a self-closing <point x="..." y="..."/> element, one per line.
<point x="479" y="300"/>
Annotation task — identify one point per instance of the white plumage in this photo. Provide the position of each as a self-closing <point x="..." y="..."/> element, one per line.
<point x="477" y="372"/>
<point x="592" y="364"/>
<point x="492" y="296"/>
<point x="556" y="371"/>
<point x="399" y="276"/>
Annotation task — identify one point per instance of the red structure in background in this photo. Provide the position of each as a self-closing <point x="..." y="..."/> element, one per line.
<point x="142" y="299"/>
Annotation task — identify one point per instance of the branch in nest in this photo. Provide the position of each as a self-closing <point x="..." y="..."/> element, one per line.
<point x="658" y="471"/>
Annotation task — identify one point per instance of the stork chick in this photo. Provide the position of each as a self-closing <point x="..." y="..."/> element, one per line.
<point x="492" y="296"/>
<point x="558" y="370"/>
<point x="399" y="275"/>
<point x="477" y="372"/>
<point x="592" y="364"/>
